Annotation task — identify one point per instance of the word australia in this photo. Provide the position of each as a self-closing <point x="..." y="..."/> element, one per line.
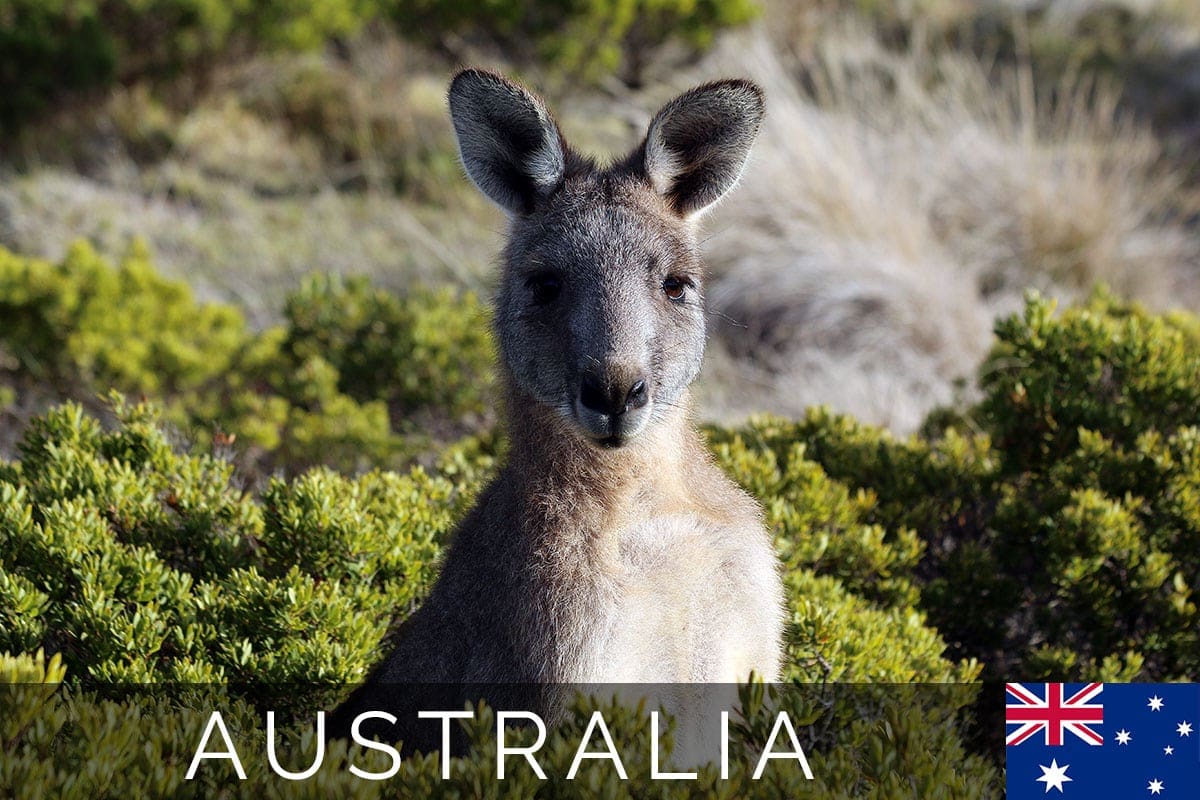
<point x="596" y="744"/>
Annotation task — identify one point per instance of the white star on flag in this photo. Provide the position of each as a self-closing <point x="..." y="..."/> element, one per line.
<point x="1155" y="787"/>
<point x="1156" y="703"/>
<point x="1168" y="750"/>
<point x="1054" y="776"/>
<point x="1184" y="728"/>
<point x="1123" y="736"/>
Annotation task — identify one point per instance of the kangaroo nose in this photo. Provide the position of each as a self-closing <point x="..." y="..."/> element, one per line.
<point x="612" y="399"/>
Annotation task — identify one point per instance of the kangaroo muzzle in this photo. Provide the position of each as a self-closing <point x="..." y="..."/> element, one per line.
<point x="613" y="409"/>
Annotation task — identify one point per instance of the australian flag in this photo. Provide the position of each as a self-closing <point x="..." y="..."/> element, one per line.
<point x="1102" y="740"/>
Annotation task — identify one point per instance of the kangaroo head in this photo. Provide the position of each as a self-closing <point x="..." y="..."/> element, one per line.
<point x="600" y="311"/>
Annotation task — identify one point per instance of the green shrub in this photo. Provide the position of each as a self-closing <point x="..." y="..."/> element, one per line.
<point x="138" y="563"/>
<point x="1047" y="531"/>
<point x="125" y="554"/>
<point x="51" y="47"/>
<point x="47" y="49"/>
<point x="83" y="324"/>
<point x="1058" y="517"/>
<point x="426" y="350"/>
<point x="820" y="524"/>
<point x="76" y="744"/>
<point x="134" y="562"/>
<point x="351" y="370"/>
<point x="582" y="36"/>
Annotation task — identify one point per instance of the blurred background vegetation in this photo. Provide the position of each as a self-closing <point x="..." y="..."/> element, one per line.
<point x="251" y="215"/>
<point x="919" y="155"/>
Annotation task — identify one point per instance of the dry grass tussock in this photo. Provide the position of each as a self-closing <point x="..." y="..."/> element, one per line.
<point x="897" y="203"/>
<point x="236" y="245"/>
<point x="290" y="165"/>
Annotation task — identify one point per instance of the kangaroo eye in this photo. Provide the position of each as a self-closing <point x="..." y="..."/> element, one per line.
<point x="545" y="288"/>
<point x="674" y="288"/>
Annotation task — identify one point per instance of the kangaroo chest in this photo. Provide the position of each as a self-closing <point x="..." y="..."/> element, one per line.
<point x="674" y="604"/>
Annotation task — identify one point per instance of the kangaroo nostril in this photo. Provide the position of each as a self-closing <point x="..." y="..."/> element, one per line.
<point x="637" y="397"/>
<point x="592" y="396"/>
<point x="611" y="399"/>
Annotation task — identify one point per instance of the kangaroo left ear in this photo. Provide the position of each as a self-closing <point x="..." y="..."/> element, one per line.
<point x="697" y="145"/>
<point x="509" y="143"/>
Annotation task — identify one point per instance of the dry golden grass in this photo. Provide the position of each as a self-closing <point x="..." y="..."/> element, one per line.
<point x="289" y="165"/>
<point x="898" y="202"/>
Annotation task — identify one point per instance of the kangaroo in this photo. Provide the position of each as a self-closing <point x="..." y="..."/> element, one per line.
<point x="609" y="548"/>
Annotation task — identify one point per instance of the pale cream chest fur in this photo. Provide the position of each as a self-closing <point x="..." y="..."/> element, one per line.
<point x="693" y="600"/>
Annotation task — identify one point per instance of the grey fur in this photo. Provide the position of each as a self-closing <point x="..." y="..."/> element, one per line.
<point x="609" y="548"/>
<point x="697" y="144"/>
<point x="507" y="140"/>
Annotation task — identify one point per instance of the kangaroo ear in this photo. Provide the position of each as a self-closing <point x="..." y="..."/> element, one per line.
<point x="698" y="143"/>
<point x="509" y="143"/>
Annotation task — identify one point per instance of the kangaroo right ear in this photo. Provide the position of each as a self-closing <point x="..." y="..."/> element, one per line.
<point x="509" y="143"/>
<point x="698" y="143"/>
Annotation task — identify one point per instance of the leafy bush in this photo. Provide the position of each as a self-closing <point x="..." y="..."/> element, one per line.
<point x="47" y="48"/>
<point x="137" y="563"/>
<point x="320" y="390"/>
<point x="1047" y="531"/>
<point x="133" y="562"/>
<point x="82" y="745"/>
<point x="1058" y="517"/>
<point x="45" y="51"/>
<point x="81" y="323"/>
<point x="579" y="35"/>
<point x="123" y="554"/>
<point x="417" y="352"/>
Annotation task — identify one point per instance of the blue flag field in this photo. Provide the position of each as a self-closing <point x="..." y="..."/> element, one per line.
<point x="1096" y="741"/>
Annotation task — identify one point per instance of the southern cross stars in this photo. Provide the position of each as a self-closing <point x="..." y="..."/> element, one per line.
<point x="1123" y="736"/>
<point x="1155" y="787"/>
<point x="1168" y="750"/>
<point x="1156" y="703"/>
<point x="1184" y="728"/>
<point x="1054" y="776"/>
